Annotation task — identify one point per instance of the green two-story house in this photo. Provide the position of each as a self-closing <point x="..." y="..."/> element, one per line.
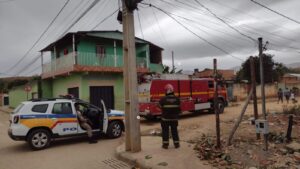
<point x="89" y="65"/>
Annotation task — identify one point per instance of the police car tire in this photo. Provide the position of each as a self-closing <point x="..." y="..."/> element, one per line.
<point x="41" y="134"/>
<point x="114" y="129"/>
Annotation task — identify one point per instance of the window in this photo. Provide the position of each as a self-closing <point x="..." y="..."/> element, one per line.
<point x="62" y="108"/>
<point x="100" y="51"/>
<point x="66" y="51"/>
<point x="40" y="108"/>
<point x="210" y="84"/>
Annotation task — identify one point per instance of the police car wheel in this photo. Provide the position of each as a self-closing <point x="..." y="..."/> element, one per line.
<point x="39" y="139"/>
<point x="114" y="129"/>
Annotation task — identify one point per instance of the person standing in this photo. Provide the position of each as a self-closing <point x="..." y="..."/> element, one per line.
<point x="170" y="105"/>
<point x="280" y="95"/>
<point x="84" y="124"/>
<point x="287" y="94"/>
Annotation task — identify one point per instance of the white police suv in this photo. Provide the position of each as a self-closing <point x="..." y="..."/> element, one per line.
<point x="40" y="121"/>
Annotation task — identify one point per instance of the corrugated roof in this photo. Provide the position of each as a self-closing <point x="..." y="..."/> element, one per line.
<point x="117" y="35"/>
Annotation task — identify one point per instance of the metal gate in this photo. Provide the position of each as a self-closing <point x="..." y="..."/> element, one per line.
<point x="106" y="93"/>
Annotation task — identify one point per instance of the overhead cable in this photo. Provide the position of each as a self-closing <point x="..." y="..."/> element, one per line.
<point x="205" y="40"/>
<point x="36" y="42"/>
<point x="289" y="18"/>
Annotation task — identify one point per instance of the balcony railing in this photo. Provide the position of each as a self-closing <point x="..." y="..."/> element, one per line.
<point x="66" y="63"/>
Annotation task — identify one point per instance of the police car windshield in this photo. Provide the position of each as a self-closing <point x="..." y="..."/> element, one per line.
<point x="17" y="110"/>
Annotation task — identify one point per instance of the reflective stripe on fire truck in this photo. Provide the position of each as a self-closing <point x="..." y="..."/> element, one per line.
<point x="188" y="93"/>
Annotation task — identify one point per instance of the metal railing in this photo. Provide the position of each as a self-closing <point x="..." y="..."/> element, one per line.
<point x="66" y="62"/>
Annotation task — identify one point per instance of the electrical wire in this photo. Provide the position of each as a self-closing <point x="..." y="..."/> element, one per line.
<point x="140" y="24"/>
<point x="289" y="18"/>
<point x="36" y="42"/>
<point x="81" y="16"/>
<point x="222" y="20"/>
<point x="29" y="64"/>
<point x="103" y="20"/>
<point x="203" y="39"/>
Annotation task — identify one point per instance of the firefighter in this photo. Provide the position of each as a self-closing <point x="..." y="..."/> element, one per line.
<point x="170" y="105"/>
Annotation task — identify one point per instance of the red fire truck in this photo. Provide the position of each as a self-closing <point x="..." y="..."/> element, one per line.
<point x="195" y="95"/>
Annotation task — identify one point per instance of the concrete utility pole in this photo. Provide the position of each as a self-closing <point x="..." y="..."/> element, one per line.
<point x="132" y="123"/>
<point x="262" y="83"/>
<point x="216" y="106"/>
<point x="253" y="81"/>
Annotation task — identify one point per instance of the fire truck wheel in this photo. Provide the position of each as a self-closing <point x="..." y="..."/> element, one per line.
<point x="221" y="106"/>
<point x="150" y="117"/>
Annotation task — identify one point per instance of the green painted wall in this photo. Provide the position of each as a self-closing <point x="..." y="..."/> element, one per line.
<point x="47" y="89"/>
<point x="60" y="85"/>
<point x="87" y="52"/>
<point x="17" y="94"/>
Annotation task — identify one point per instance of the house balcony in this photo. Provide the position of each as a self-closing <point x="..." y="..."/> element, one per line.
<point x="88" y="62"/>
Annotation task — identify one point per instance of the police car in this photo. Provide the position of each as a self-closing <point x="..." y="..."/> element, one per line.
<point x="40" y="121"/>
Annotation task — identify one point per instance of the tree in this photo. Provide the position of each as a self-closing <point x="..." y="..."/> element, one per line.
<point x="273" y="71"/>
<point x="167" y="70"/>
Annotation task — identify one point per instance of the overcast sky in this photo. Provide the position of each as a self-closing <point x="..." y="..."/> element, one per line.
<point x="23" y="21"/>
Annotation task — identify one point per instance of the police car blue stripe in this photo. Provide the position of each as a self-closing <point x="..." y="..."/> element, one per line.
<point x="36" y="116"/>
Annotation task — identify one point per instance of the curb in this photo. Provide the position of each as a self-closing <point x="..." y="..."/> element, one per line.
<point x="5" y="110"/>
<point x="126" y="157"/>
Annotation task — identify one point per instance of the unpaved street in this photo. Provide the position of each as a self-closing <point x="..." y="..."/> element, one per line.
<point x="62" y="154"/>
<point x="78" y="154"/>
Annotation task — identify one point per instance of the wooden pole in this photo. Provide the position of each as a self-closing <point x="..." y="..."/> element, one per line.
<point x="253" y="80"/>
<point x="237" y="123"/>
<point x="132" y="123"/>
<point x="262" y="83"/>
<point x="216" y="106"/>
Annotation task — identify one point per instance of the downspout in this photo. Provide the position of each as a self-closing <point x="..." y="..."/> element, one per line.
<point x="115" y="52"/>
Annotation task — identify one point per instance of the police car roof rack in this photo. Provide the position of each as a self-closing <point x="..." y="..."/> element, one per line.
<point x="42" y="99"/>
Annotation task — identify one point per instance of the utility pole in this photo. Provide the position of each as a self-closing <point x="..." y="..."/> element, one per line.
<point x="262" y="83"/>
<point x="253" y="81"/>
<point x="173" y="66"/>
<point x="132" y="123"/>
<point x="216" y="106"/>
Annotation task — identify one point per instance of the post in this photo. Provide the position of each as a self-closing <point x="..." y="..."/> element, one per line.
<point x="253" y="81"/>
<point x="173" y="66"/>
<point x="263" y="99"/>
<point x="132" y="123"/>
<point x="237" y="123"/>
<point x="216" y="106"/>
<point x="115" y="52"/>
<point x="74" y="52"/>
<point x="289" y="130"/>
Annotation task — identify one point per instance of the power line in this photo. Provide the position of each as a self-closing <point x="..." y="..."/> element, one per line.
<point x="36" y="42"/>
<point x="30" y="63"/>
<point x="210" y="43"/>
<point x="289" y="18"/>
<point x="140" y="24"/>
<point x="81" y="16"/>
<point x="241" y="33"/>
<point x="103" y="20"/>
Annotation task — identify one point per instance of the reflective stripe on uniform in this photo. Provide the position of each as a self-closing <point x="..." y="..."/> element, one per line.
<point x="166" y="142"/>
<point x="164" y="119"/>
<point x="176" y="142"/>
<point x="170" y="106"/>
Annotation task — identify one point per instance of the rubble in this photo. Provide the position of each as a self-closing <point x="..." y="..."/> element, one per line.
<point x="294" y="146"/>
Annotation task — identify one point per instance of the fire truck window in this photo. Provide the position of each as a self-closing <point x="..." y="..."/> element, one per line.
<point x="210" y="84"/>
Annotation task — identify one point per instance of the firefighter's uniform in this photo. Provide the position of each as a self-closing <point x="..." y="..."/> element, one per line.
<point x="170" y="105"/>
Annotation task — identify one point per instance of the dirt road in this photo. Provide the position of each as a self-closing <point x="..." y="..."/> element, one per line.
<point x="63" y="154"/>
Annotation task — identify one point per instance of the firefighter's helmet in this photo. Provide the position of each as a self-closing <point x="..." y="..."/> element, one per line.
<point x="169" y="89"/>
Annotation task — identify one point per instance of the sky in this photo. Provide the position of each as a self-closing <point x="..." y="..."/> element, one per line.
<point x="192" y="32"/>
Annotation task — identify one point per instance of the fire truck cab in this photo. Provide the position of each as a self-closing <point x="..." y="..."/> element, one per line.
<point x="195" y="95"/>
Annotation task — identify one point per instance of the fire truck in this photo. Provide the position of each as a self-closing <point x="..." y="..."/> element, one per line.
<point x="195" y="95"/>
